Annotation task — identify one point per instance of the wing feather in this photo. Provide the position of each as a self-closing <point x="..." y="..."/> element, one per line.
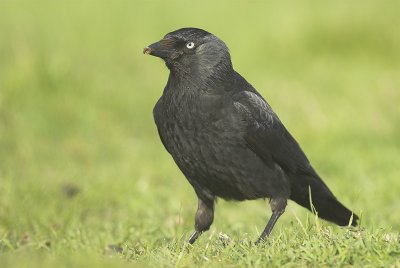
<point x="267" y="136"/>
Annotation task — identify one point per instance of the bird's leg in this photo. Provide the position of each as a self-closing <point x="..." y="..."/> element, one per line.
<point x="278" y="206"/>
<point x="204" y="217"/>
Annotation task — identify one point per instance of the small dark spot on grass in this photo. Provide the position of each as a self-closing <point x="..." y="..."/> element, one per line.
<point x="70" y="190"/>
<point x="113" y="248"/>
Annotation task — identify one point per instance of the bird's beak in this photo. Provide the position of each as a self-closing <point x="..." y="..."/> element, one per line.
<point x="162" y="49"/>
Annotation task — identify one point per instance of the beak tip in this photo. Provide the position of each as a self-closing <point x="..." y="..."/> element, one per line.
<point x="147" y="50"/>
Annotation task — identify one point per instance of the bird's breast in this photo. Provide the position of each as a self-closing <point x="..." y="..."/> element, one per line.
<point x="194" y="126"/>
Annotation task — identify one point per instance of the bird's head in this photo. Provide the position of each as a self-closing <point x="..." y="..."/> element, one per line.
<point x="190" y="50"/>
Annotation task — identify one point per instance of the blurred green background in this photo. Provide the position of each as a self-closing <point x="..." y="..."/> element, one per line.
<point x="82" y="170"/>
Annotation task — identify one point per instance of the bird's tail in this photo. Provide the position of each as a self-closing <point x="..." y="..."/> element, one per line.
<point x="311" y="192"/>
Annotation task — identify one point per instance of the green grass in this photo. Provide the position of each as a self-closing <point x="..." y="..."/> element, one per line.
<point x="85" y="181"/>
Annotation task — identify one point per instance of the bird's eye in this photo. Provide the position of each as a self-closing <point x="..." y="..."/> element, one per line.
<point x="190" y="45"/>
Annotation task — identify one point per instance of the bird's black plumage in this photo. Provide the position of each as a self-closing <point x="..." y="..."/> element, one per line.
<point x="225" y="137"/>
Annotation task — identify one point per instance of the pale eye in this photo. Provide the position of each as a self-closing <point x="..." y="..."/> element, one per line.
<point x="190" y="45"/>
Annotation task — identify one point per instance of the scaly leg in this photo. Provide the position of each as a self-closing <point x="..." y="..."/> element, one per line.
<point x="278" y="206"/>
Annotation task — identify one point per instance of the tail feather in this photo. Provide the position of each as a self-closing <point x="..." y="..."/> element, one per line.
<point x="322" y="200"/>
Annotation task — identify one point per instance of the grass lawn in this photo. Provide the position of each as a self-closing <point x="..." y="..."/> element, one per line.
<point x="85" y="181"/>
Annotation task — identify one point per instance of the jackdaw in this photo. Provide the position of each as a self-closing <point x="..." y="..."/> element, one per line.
<point x="226" y="139"/>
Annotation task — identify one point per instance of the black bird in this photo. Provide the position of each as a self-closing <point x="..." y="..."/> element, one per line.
<point x="226" y="139"/>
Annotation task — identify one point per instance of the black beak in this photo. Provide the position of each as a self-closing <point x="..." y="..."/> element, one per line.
<point x="163" y="49"/>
